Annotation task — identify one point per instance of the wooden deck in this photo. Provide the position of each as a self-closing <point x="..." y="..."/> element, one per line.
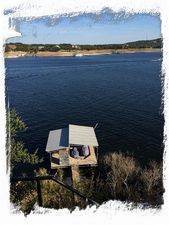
<point x="62" y="159"/>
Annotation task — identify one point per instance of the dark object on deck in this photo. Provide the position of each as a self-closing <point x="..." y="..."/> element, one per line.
<point x="85" y="150"/>
<point x="64" y="157"/>
<point x="75" y="152"/>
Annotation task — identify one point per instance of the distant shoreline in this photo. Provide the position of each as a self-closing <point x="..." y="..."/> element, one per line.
<point x="16" y="54"/>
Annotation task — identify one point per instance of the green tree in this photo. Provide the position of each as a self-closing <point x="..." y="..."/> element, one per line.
<point x="7" y="48"/>
<point x="18" y="154"/>
<point x="23" y="194"/>
<point x="15" y="123"/>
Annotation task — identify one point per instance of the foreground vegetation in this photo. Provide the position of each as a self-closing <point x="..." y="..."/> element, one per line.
<point x="118" y="176"/>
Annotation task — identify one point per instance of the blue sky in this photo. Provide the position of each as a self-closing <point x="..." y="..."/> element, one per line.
<point x="89" y="30"/>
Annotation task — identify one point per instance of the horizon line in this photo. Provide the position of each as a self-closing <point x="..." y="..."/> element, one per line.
<point x="83" y="44"/>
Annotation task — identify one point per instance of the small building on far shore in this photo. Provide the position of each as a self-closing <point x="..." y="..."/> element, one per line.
<point x="72" y="146"/>
<point x="40" y="47"/>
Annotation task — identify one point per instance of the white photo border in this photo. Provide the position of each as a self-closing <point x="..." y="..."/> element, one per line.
<point x="112" y="211"/>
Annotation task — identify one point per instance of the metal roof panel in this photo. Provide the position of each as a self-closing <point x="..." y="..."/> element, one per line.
<point x="82" y="135"/>
<point x="57" y="139"/>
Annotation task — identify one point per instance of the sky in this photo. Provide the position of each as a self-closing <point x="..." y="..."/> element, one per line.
<point x="104" y="29"/>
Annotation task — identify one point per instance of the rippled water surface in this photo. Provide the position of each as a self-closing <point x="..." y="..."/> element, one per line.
<point x="121" y="92"/>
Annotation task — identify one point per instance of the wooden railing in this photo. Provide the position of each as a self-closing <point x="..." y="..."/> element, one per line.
<point x="50" y="177"/>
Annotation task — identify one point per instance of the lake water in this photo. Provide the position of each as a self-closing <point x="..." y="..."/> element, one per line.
<point x="120" y="92"/>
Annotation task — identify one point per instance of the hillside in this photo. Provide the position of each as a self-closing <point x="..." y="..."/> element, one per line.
<point x="34" y="48"/>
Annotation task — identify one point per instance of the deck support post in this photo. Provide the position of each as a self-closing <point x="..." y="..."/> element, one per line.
<point x="97" y="153"/>
<point x="39" y="193"/>
<point x="75" y="180"/>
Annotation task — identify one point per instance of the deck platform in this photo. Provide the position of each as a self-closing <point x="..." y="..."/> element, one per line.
<point x="62" y="159"/>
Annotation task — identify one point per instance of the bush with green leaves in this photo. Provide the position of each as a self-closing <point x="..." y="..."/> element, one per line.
<point x="22" y="163"/>
<point x="20" y="158"/>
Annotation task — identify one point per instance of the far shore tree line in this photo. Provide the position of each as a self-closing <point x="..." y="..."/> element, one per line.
<point x="34" y="48"/>
<point x="117" y="177"/>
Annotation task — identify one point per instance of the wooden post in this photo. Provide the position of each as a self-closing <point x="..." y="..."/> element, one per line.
<point x="97" y="153"/>
<point x="75" y="174"/>
<point x="39" y="193"/>
<point x="75" y="179"/>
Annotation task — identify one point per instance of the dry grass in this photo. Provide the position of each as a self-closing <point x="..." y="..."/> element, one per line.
<point x="121" y="170"/>
<point x="24" y="195"/>
<point x="151" y="178"/>
<point x="126" y="180"/>
<point x="53" y="194"/>
<point x="118" y="177"/>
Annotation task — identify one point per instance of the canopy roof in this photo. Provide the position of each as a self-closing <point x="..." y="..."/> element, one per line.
<point x="73" y="135"/>
<point x="57" y="139"/>
<point x="82" y="135"/>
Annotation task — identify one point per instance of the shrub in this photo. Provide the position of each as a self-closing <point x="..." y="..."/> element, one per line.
<point x="53" y="194"/>
<point x="126" y="180"/>
<point x="121" y="171"/>
<point x="24" y="195"/>
<point x="151" y="178"/>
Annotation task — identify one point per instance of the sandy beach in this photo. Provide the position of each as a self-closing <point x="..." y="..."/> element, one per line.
<point x="15" y="54"/>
